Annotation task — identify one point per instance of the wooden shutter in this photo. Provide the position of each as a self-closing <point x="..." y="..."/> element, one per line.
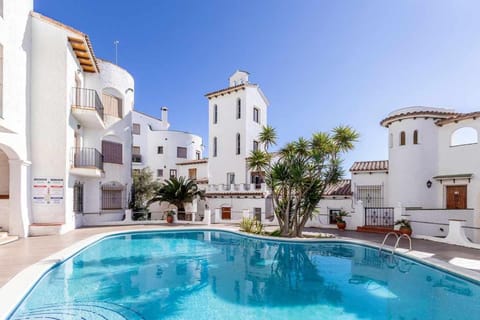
<point x="112" y="152"/>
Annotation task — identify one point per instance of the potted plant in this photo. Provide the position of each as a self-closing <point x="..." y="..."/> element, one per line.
<point x="170" y="215"/>
<point x="405" y="226"/>
<point x="341" y="223"/>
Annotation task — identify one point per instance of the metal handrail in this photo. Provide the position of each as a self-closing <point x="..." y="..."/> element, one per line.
<point x="398" y="240"/>
<point x="385" y="239"/>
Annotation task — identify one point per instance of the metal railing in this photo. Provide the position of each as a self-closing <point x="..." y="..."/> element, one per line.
<point x="87" y="99"/>
<point x="136" y="158"/>
<point x="379" y="217"/>
<point x="87" y="158"/>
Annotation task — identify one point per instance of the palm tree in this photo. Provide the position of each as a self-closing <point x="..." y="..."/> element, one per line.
<point x="267" y="137"/>
<point x="178" y="192"/>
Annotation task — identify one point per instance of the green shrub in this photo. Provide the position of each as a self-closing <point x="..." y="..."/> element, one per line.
<point x="251" y="226"/>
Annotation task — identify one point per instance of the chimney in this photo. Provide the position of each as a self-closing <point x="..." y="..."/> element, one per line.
<point x="164" y="117"/>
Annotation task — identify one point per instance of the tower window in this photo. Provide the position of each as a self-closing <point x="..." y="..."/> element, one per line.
<point x="181" y="152"/>
<point x="415" y="137"/>
<point x="402" y="138"/>
<point x="215" y="146"/>
<point x="238" y="143"/>
<point x="256" y="115"/>
<point x="160" y="150"/>
<point x="239" y="108"/>
<point x="215" y="114"/>
<point x="255" y="145"/>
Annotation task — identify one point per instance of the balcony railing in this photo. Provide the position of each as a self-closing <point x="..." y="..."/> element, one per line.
<point x="87" y="99"/>
<point x="87" y="158"/>
<point x="136" y="158"/>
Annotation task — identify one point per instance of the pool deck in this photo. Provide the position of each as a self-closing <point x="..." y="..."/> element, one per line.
<point x="18" y="255"/>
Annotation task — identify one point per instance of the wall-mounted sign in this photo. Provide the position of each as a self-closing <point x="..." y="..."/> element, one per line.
<point x="47" y="191"/>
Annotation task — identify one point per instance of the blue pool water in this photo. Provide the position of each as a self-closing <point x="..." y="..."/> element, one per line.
<point x="220" y="275"/>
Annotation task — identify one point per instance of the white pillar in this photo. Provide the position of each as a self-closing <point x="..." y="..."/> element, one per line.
<point x="398" y="212"/>
<point x="19" y="220"/>
<point x="207" y="217"/>
<point x="357" y="216"/>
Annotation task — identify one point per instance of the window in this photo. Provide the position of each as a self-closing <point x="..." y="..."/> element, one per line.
<point x="215" y="114"/>
<point x="415" y="137"/>
<point x="112" y="196"/>
<point x="136" y="128"/>
<point x="78" y="197"/>
<point x="333" y="216"/>
<point x="112" y="152"/>
<point x="173" y="173"/>
<point x="462" y="136"/>
<point x="112" y="105"/>
<point x="160" y="150"/>
<point x="239" y="108"/>
<point x="1" y="76"/>
<point x="255" y="145"/>
<point x="181" y="152"/>
<point x="256" y="115"/>
<point x="111" y="199"/>
<point x="215" y="146"/>
<point x="136" y="156"/>
<point x="230" y="178"/>
<point x="238" y="143"/>
<point x="192" y="173"/>
<point x="197" y="155"/>
<point x="402" y="138"/>
<point x="159" y="173"/>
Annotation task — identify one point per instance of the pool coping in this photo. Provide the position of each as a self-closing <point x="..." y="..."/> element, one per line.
<point x="15" y="290"/>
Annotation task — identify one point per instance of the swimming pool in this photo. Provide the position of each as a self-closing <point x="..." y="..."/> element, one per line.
<point x="219" y="275"/>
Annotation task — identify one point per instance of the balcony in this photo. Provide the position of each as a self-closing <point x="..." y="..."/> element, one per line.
<point x="137" y="158"/>
<point x="87" y="108"/>
<point x="86" y="162"/>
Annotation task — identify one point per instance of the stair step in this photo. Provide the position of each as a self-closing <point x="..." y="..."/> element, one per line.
<point x="372" y="229"/>
<point x="8" y="239"/>
<point x="45" y="229"/>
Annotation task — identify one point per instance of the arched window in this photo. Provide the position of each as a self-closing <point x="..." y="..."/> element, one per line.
<point x="462" y="136"/>
<point x="215" y="114"/>
<point x="239" y="108"/>
<point x="415" y="137"/>
<point x="402" y="138"/>
<point x="215" y="146"/>
<point x="238" y="143"/>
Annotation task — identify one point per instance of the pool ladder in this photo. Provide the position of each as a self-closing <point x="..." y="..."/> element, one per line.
<point x="399" y="237"/>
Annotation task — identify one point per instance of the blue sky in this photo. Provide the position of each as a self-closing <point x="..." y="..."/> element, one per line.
<point x="320" y="63"/>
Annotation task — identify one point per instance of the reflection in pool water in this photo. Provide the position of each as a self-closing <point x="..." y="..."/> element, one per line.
<point x="219" y="275"/>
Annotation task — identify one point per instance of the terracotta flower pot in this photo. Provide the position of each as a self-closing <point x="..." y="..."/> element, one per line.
<point x="170" y="218"/>
<point x="341" y="225"/>
<point x="405" y="230"/>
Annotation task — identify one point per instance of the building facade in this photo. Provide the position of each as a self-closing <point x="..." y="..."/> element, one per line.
<point x="65" y="143"/>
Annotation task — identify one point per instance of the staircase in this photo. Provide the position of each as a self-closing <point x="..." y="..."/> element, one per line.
<point x="377" y="229"/>
<point x="5" y="238"/>
<point x="46" y="229"/>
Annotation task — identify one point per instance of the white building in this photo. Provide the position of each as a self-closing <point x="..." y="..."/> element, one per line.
<point x="432" y="174"/>
<point x="65" y="139"/>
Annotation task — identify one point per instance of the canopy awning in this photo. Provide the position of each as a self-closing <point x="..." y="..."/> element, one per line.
<point x="459" y="176"/>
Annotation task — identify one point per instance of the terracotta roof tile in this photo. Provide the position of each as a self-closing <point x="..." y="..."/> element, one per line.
<point x="381" y="165"/>
<point x="428" y="113"/>
<point x="458" y="117"/>
<point x="341" y="188"/>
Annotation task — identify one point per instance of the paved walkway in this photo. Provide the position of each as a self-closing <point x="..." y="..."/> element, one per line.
<point x="16" y="256"/>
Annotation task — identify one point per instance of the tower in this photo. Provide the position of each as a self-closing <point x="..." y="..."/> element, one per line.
<point x="236" y="117"/>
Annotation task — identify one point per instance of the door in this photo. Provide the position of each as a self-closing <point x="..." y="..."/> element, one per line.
<point x="226" y="213"/>
<point x="456" y="197"/>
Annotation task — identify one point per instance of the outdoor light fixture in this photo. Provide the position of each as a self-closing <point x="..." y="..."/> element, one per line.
<point x="429" y="184"/>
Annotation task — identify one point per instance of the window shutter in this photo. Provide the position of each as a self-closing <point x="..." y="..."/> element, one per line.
<point x="112" y="152"/>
